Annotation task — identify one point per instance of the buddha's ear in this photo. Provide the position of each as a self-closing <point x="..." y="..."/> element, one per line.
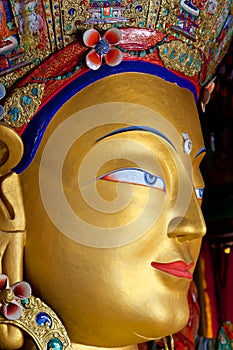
<point x="11" y="149"/>
<point x="12" y="218"/>
<point x="12" y="223"/>
<point x="11" y="202"/>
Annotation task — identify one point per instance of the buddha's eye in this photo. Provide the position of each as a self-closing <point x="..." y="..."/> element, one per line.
<point x="199" y="192"/>
<point x="150" y="179"/>
<point x="136" y="177"/>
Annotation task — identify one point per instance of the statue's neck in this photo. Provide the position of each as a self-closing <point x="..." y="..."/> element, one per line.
<point x="87" y="347"/>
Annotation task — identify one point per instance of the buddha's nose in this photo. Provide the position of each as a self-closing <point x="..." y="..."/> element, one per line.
<point x="189" y="226"/>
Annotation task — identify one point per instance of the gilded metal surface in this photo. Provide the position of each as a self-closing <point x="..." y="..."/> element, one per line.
<point x="74" y="20"/>
<point x="58" y="13"/>
<point x="22" y="104"/>
<point x="136" y="13"/>
<point x="153" y="12"/>
<point x="11" y="149"/>
<point x="166" y="15"/>
<point x="196" y="26"/>
<point x="100" y="292"/>
<point x="205" y="26"/>
<point x="40" y="334"/>
<point x="209" y="31"/>
<point x="180" y="57"/>
<point x="201" y="30"/>
<point x="50" y="25"/>
<point x="12" y="223"/>
<point x="9" y="78"/>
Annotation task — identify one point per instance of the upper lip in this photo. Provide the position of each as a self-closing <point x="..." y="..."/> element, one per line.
<point x="176" y="268"/>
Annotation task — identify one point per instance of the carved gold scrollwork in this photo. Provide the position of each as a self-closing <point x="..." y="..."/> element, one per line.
<point x="22" y="104"/>
<point x="178" y="56"/>
<point x="42" y="324"/>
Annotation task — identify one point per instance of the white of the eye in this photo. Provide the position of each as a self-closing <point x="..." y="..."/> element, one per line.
<point x="160" y="184"/>
<point x="199" y="192"/>
<point x="134" y="176"/>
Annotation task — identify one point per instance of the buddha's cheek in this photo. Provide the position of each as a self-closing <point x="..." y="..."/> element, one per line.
<point x="98" y="291"/>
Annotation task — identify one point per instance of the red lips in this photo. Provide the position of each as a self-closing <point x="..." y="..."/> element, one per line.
<point x="176" y="268"/>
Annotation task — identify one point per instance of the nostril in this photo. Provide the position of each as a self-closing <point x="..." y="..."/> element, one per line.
<point x="188" y="237"/>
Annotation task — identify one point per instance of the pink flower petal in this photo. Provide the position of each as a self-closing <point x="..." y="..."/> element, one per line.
<point x="4" y="282"/>
<point x="21" y="290"/>
<point x="91" y="37"/>
<point x="114" y="57"/>
<point x="93" y="60"/>
<point x="113" y="36"/>
<point x="12" y="311"/>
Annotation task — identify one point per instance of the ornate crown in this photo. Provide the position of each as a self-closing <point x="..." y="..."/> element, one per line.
<point x="191" y="36"/>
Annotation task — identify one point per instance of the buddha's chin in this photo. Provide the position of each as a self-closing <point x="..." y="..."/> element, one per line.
<point x="170" y="322"/>
<point x="127" y="330"/>
<point x="140" y="335"/>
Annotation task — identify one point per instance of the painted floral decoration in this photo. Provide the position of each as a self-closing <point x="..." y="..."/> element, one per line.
<point x="102" y="47"/>
<point x="2" y="94"/>
<point x="10" y="297"/>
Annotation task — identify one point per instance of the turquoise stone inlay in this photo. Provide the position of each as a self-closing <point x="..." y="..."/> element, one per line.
<point x="183" y="57"/>
<point x="14" y="111"/>
<point x="54" y="344"/>
<point x="25" y="302"/>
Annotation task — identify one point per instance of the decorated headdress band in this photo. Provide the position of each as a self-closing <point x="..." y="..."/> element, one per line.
<point x="181" y="41"/>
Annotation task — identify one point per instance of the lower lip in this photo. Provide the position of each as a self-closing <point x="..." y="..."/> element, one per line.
<point x="177" y="269"/>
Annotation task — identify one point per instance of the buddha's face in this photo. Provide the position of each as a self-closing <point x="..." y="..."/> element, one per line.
<point x="112" y="202"/>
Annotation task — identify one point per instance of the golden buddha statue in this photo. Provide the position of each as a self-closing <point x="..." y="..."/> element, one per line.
<point x="111" y="191"/>
<point x="140" y="228"/>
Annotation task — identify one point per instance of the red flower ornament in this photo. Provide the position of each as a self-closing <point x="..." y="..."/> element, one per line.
<point x="10" y="297"/>
<point x="102" y="47"/>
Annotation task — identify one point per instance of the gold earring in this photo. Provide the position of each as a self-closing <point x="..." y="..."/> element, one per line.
<point x="19" y="308"/>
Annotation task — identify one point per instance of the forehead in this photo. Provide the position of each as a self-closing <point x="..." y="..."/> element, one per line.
<point x="175" y="104"/>
<point x="134" y="99"/>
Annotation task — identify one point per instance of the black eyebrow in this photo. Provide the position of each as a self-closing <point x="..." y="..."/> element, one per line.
<point x="137" y="128"/>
